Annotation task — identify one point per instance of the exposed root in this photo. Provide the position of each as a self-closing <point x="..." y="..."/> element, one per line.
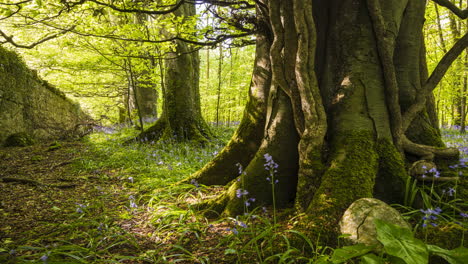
<point x="429" y="152"/>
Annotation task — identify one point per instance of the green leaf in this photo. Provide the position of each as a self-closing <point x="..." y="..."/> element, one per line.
<point x="399" y="242"/>
<point x="372" y="259"/>
<point x="343" y="254"/>
<point x="454" y="256"/>
<point x="230" y="251"/>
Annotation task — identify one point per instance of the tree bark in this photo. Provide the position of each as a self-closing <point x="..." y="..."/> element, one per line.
<point x="181" y="118"/>
<point x="336" y="138"/>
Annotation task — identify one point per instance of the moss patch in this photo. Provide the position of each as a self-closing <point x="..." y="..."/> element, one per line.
<point x="392" y="175"/>
<point x="21" y="139"/>
<point x="351" y="174"/>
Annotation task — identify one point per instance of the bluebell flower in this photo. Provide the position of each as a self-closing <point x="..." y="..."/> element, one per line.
<point x="240" y="193"/>
<point x="44" y="258"/>
<point x="80" y="208"/>
<point x="451" y="191"/>
<point x="194" y="182"/>
<point x="233" y="230"/>
<point x="430" y="215"/>
<point x="12" y="252"/>
<point x="464" y="215"/>
<point x="133" y="204"/>
<point x="130" y="179"/>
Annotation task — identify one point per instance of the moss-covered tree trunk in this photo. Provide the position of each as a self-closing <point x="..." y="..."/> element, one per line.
<point x="351" y="131"/>
<point x="246" y="140"/>
<point x="181" y="118"/>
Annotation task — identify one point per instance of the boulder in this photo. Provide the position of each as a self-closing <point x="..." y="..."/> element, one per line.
<point x="358" y="220"/>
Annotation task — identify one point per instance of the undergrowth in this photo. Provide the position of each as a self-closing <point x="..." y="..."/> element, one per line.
<point x="145" y="215"/>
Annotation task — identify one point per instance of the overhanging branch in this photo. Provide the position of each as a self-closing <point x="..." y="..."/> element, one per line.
<point x="436" y="76"/>
<point x="9" y="39"/>
<point x="463" y="14"/>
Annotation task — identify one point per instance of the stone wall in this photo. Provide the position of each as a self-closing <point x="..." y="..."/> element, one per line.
<point x="29" y="104"/>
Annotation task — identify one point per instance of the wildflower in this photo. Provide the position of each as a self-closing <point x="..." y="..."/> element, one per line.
<point x="194" y="182"/>
<point x="239" y="166"/>
<point x="464" y="215"/>
<point x="133" y="204"/>
<point x="270" y="164"/>
<point x="44" y="258"/>
<point x="12" y="252"/>
<point x="435" y="172"/>
<point x="451" y="191"/>
<point x="241" y="224"/>
<point x="240" y="193"/>
<point x="130" y="179"/>
<point x="80" y="208"/>
<point x="247" y="203"/>
<point x="234" y="230"/>
<point x="430" y="215"/>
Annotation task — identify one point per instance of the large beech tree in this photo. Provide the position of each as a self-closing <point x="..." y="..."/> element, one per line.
<point x="181" y="118"/>
<point x="342" y="101"/>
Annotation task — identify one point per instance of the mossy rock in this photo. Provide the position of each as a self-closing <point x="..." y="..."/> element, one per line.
<point x="21" y="139"/>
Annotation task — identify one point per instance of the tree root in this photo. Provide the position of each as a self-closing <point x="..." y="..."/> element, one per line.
<point x="36" y="183"/>
<point x="428" y="152"/>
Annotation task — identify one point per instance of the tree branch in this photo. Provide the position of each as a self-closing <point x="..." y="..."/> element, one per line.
<point x="439" y="72"/>
<point x="463" y="14"/>
<point x="9" y="39"/>
<point x="141" y="11"/>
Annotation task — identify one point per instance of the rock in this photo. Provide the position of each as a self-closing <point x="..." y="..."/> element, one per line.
<point x="358" y="220"/>
<point x="421" y="167"/>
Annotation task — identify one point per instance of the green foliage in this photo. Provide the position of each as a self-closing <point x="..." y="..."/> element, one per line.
<point x="399" y="242"/>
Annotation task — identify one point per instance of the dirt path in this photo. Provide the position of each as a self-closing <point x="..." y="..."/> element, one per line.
<point x="39" y="188"/>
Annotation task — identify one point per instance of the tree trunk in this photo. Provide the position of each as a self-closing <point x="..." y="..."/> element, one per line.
<point x="248" y="136"/>
<point x="181" y="118"/>
<point x="341" y="136"/>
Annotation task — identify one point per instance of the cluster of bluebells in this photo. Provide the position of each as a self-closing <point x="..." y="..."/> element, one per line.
<point x="249" y="201"/>
<point x="433" y="171"/>
<point x="195" y="183"/>
<point x="237" y="223"/>
<point x="430" y="215"/>
<point x="270" y="164"/>
<point x="132" y="202"/>
<point x="241" y="192"/>
<point x="80" y="207"/>
<point x="460" y="165"/>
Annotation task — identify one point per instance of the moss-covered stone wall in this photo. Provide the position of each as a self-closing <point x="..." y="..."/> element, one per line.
<point x="31" y="105"/>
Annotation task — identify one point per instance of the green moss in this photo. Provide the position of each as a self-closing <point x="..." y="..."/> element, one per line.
<point x="392" y="175"/>
<point x="422" y="132"/>
<point x="350" y="176"/>
<point x="445" y="235"/>
<point x="21" y="139"/>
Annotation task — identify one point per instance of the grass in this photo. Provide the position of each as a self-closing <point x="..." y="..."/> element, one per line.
<point x="137" y="213"/>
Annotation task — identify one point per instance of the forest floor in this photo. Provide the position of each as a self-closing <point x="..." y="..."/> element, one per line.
<point x="101" y="201"/>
